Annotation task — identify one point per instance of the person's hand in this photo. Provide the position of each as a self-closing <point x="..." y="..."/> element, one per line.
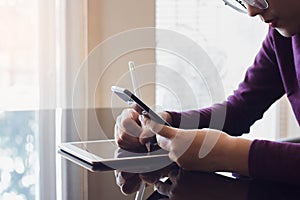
<point x="128" y="130"/>
<point x="129" y="134"/>
<point x="202" y="149"/>
<point x="130" y="183"/>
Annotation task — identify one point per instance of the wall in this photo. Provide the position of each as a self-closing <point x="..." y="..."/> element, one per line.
<point x="106" y="19"/>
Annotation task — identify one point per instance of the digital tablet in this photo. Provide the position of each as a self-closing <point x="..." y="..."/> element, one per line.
<point x="102" y="155"/>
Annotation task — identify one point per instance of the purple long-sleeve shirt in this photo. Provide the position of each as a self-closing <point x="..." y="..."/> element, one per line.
<point x="275" y="72"/>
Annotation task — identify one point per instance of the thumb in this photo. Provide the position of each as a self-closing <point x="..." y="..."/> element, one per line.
<point x="162" y="130"/>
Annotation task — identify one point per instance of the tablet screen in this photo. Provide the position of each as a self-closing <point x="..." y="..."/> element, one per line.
<point x="102" y="149"/>
<point x="101" y="153"/>
<point x="107" y="149"/>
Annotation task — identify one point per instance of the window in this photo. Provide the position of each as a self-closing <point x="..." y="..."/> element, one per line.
<point x="18" y="53"/>
<point x="19" y="91"/>
<point x="33" y="78"/>
<point x="230" y="40"/>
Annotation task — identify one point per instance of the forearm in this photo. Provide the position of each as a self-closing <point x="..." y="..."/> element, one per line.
<point x="220" y="116"/>
<point x="237" y="155"/>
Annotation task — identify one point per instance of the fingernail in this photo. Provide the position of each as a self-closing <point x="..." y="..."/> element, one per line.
<point x="144" y="112"/>
<point x="142" y="118"/>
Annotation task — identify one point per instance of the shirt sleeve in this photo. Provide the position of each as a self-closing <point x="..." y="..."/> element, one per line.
<point x="275" y="161"/>
<point x="261" y="87"/>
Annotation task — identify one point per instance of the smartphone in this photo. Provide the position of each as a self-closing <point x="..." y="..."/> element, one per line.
<point x="130" y="98"/>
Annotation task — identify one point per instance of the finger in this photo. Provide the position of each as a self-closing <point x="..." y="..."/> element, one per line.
<point x="127" y="133"/>
<point x="128" y="182"/>
<point x="137" y="108"/>
<point x="119" y="179"/>
<point x="150" y="179"/>
<point x="129" y="143"/>
<point x="154" y="176"/>
<point x="164" y="143"/>
<point x="131" y="185"/>
<point x="127" y="175"/>
<point x="146" y="136"/>
<point x="164" y="188"/>
<point x="128" y="122"/>
<point x="165" y="131"/>
<point x="127" y="130"/>
<point x="173" y="175"/>
<point x="123" y="138"/>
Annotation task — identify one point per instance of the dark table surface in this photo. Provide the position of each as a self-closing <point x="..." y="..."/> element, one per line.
<point x="31" y="168"/>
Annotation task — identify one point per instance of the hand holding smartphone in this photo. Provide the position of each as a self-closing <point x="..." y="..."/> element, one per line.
<point x="130" y="98"/>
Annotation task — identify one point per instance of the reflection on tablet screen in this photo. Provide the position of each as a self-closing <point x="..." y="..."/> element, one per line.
<point x="109" y="150"/>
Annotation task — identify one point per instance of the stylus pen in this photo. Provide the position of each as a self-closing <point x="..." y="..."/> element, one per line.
<point x="139" y="194"/>
<point x="136" y="89"/>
